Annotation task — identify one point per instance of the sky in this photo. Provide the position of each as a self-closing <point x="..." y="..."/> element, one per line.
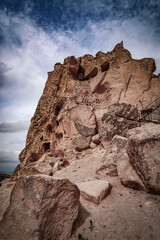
<point x="35" y="34"/>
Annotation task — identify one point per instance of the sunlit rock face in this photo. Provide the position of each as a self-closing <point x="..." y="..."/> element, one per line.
<point x="78" y="96"/>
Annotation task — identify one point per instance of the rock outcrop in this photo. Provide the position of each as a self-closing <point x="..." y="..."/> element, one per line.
<point x="91" y="129"/>
<point x="86" y="96"/>
<point x="144" y="152"/>
<point x="40" y="208"/>
<point x="136" y="159"/>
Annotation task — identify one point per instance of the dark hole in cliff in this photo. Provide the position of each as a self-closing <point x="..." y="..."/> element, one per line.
<point x="49" y="128"/>
<point x="59" y="136"/>
<point x="59" y="107"/>
<point x="41" y="138"/>
<point x="46" y="146"/>
<point x="105" y="66"/>
<point x="57" y="123"/>
<point x="86" y="78"/>
<point x="57" y="110"/>
<point x="80" y="75"/>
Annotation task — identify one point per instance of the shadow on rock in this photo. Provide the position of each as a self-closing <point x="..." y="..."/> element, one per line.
<point x="82" y="215"/>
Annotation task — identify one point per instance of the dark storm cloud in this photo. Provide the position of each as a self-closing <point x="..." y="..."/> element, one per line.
<point x="8" y="160"/>
<point x="13" y="127"/>
<point x="3" y="69"/>
<point x="8" y="156"/>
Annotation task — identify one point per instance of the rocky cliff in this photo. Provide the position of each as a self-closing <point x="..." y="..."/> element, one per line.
<point x="93" y="141"/>
<point x="79" y="92"/>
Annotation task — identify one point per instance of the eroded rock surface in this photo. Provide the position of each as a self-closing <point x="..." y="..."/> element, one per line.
<point x="144" y="152"/>
<point x="87" y="96"/>
<point x="40" y="208"/>
<point x="5" y="193"/>
<point x="90" y="127"/>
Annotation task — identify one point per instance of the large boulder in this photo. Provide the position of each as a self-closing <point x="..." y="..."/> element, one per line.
<point x="5" y="192"/>
<point x="127" y="174"/>
<point x="41" y="207"/>
<point x="119" y="117"/>
<point x="81" y="143"/>
<point x="144" y="152"/>
<point x="108" y="165"/>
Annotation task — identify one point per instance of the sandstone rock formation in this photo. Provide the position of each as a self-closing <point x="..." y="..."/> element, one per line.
<point x="79" y="93"/>
<point x="5" y="193"/>
<point x="144" y="152"/>
<point x="40" y="208"/>
<point x="91" y="127"/>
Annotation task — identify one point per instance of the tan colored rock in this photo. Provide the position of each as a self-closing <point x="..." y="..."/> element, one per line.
<point x="70" y="155"/>
<point x="40" y="208"/>
<point x="108" y="165"/>
<point x="96" y="139"/>
<point x="117" y="120"/>
<point x="128" y="176"/>
<point x="78" y="93"/>
<point x="94" y="191"/>
<point x="144" y="152"/>
<point x="84" y="130"/>
<point x="5" y="192"/>
<point x="81" y="143"/>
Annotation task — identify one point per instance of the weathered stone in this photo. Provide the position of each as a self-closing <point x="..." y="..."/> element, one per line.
<point x="96" y="139"/>
<point x="144" y="152"/>
<point x="5" y="193"/>
<point x="108" y="165"/>
<point x="81" y="143"/>
<point x="40" y="208"/>
<point x="37" y="168"/>
<point x="70" y="155"/>
<point x="117" y="120"/>
<point x="74" y="93"/>
<point x="118" y="144"/>
<point x="127" y="174"/>
<point x="84" y="130"/>
<point x="94" y="191"/>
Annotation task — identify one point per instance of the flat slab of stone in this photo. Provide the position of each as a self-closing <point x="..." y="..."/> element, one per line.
<point x="94" y="191"/>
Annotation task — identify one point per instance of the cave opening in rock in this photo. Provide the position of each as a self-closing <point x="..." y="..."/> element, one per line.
<point x="57" y="110"/>
<point x="59" y="136"/>
<point x="49" y="128"/>
<point x="41" y="138"/>
<point x="46" y="146"/>
<point x="59" y="107"/>
<point x="105" y="66"/>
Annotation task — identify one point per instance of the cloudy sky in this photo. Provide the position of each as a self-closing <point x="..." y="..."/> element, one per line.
<point x="35" y="34"/>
